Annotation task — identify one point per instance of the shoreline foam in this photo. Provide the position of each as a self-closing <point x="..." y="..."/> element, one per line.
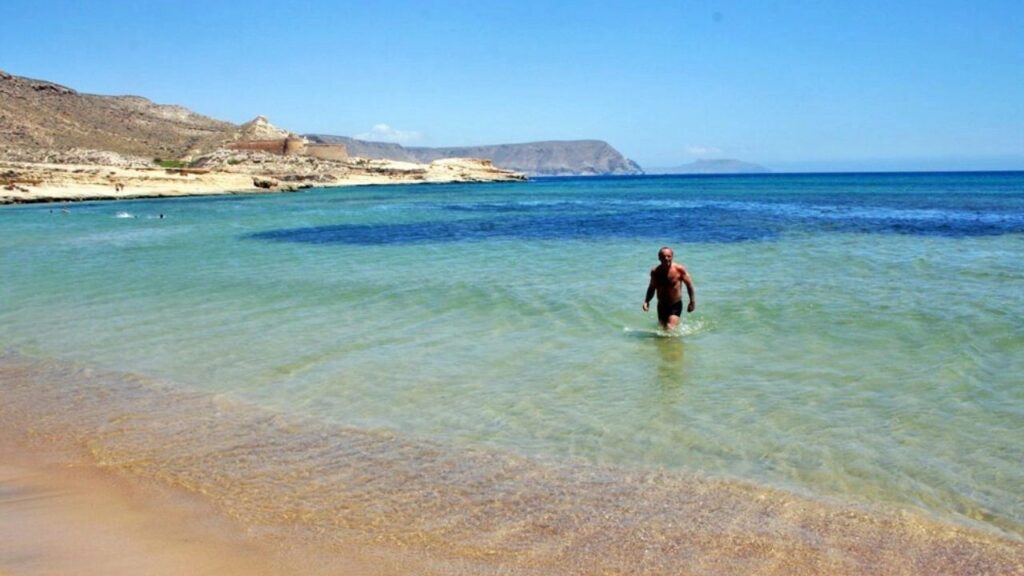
<point x="331" y="489"/>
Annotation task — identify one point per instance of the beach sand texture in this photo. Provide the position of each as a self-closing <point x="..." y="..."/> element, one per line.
<point x="400" y="506"/>
<point x="59" y="517"/>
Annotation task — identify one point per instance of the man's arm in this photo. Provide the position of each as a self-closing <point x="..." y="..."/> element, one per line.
<point x="650" y="293"/>
<point x="690" y="290"/>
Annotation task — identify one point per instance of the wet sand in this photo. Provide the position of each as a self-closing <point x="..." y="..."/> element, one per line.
<point x="168" y="481"/>
<point x="63" y="517"/>
<point x="60" y="514"/>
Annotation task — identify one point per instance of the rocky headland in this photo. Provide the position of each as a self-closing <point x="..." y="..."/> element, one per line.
<point x="549" y="158"/>
<point x="57" y="144"/>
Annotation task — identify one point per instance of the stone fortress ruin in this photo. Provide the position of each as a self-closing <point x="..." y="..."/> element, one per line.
<point x="293" y="146"/>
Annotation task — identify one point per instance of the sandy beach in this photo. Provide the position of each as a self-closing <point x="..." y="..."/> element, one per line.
<point x="31" y="182"/>
<point x="122" y="478"/>
<point x="62" y="514"/>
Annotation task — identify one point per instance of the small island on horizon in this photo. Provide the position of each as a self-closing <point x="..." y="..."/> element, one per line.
<point x="712" y="166"/>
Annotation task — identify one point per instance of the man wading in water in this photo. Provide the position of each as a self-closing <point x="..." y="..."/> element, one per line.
<point x="667" y="279"/>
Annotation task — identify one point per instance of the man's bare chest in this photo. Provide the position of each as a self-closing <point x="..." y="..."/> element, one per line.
<point x="668" y="278"/>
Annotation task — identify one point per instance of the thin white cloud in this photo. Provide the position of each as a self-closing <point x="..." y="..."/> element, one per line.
<point x="385" y="133"/>
<point x="697" y="150"/>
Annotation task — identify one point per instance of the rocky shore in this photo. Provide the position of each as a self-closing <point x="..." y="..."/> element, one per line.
<point x="42" y="175"/>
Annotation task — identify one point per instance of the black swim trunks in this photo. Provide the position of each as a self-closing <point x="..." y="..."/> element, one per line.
<point x="665" y="310"/>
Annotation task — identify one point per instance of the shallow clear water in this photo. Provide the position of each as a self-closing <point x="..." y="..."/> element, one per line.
<point x="855" y="335"/>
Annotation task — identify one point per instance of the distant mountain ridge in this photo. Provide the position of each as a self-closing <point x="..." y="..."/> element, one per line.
<point x="548" y="158"/>
<point x="714" y="166"/>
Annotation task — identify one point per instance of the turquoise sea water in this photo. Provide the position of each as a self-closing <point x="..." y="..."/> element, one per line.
<point x="856" y="336"/>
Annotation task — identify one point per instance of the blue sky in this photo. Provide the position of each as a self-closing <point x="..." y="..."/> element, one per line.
<point x="792" y="85"/>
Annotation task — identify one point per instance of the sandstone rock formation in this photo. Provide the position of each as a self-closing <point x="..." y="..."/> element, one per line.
<point x="47" y="175"/>
<point x="305" y="169"/>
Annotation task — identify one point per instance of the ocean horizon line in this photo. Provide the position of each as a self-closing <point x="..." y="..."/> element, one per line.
<point x="773" y="173"/>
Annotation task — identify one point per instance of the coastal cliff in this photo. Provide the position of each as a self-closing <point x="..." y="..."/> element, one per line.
<point x="549" y="158"/>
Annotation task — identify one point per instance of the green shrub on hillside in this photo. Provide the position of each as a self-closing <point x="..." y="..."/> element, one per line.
<point x="170" y="163"/>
